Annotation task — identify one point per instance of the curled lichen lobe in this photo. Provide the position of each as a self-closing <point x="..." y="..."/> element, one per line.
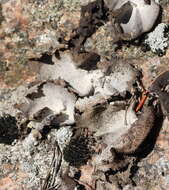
<point x="139" y="131"/>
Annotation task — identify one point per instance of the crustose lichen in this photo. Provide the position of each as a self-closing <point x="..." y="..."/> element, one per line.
<point x="157" y="40"/>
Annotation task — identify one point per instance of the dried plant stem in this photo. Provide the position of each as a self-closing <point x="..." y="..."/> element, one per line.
<point x="49" y="182"/>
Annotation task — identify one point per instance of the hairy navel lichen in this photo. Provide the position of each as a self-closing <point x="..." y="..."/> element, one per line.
<point x="77" y="152"/>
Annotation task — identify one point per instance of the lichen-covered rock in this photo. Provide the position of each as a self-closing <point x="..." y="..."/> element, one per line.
<point x="30" y="28"/>
<point x="82" y="96"/>
<point x="102" y="41"/>
<point x="29" y="160"/>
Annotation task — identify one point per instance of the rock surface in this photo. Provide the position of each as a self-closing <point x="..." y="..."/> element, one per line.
<point x="68" y="95"/>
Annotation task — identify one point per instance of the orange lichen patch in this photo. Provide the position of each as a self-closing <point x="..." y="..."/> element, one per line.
<point x="7" y="50"/>
<point x="3" y="85"/>
<point x="7" y="56"/>
<point x="8" y="184"/>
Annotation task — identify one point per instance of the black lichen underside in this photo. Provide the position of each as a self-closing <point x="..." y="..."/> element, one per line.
<point x="45" y="58"/>
<point x="148" y="2"/>
<point x="125" y="13"/>
<point x="8" y="129"/>
<point x="77" y="153"/>
<point x="90" y="61"/>
<point x="38" y="94"/>
<point x="43" y="113"/>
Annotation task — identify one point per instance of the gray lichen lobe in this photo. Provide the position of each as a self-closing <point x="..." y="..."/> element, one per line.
<point x="138" y="132"/>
